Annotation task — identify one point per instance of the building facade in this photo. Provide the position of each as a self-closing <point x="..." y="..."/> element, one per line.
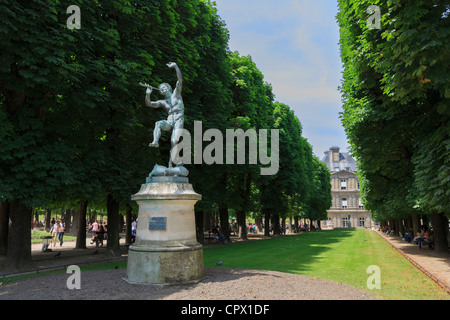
<point x="347" y="209"/>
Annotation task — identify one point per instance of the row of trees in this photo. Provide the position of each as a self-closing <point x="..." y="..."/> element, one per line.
<point x="74" y="130"/>
<point x="396" y="99"/>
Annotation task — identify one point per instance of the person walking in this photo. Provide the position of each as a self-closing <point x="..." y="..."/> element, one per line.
<point x="54" y="232"/>
<point x="95" y="226"/>
<point x="62" y="228"/>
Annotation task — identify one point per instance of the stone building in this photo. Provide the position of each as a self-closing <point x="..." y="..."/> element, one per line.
<point x="347" y="209"/>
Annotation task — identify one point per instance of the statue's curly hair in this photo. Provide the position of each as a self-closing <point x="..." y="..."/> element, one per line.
<point x="167" y="85"/>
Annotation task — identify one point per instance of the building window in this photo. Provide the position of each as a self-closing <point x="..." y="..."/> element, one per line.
<point x="361" y="222"/>
<point x="361" y="206"/>
<point x="343" y="184"/>
<point x="336" y="168"/>
<point x="345" y="222"/>
<point x="344" y="203"/>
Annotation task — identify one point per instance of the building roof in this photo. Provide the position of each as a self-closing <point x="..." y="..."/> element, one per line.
<point x="346" y="162"/>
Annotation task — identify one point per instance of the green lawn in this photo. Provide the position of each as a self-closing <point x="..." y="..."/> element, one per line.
<point x="36" y="236"/>
<point x="338" y="255"/>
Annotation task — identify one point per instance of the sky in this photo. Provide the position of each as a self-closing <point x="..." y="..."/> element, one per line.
<point x="295" y="45"/>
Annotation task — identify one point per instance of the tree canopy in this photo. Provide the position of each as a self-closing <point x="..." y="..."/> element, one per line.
<point x="74" y="129"/>
<point x="396" y="106"/>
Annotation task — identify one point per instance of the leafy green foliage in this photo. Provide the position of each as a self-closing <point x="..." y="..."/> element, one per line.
<point x="73" y="124"/>
<point x="395" y="101"/>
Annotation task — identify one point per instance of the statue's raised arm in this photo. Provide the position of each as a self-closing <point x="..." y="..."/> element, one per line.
<point x="179" y="85"/>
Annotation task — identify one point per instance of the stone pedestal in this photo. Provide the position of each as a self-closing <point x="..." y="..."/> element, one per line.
<point x="166" y="250"/>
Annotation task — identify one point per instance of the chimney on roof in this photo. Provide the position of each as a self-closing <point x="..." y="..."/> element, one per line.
<point x="335" y="154"/>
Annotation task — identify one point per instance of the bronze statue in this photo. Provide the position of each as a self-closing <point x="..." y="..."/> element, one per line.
<point x="173" y="104"/>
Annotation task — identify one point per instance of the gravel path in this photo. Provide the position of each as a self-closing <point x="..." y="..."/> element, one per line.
<point x="218" y="284"/>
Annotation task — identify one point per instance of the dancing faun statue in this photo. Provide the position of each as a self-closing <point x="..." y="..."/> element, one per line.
<point x="173" y="104"/>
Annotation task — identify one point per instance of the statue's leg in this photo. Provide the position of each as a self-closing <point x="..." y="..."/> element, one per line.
<point x="160" y="125"/>
<point x="175" y="139"/>
<point x="156" y="135"/>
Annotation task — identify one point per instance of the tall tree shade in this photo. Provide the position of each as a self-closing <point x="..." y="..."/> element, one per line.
<point x="71" y="109"/>
<point x="395" y="106"/>
<point x="207" y="101"/>
<point x="33" y="161"/>
<point x="4" y="224"/>
<point x="320" y="199"/>
<point x="295" y="175"/>
<point x="250" y="110"/>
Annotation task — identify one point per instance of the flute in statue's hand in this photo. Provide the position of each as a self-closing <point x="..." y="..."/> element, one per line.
<point x="149" y="87"/>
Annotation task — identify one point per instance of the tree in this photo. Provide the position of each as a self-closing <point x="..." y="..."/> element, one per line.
<point x="251" y="108"/>
<point x="91" y="74"/>
<point x="320" y="199"/>
<point x="33" y="160"/>
<point x="295" y="168"/>
<point x="395" y="100"/>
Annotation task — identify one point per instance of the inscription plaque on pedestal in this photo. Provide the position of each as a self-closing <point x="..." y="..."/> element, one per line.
<point x="157" y="224"/>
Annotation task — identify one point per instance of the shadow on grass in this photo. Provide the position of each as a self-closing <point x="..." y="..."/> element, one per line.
<point x="293" y="253"/>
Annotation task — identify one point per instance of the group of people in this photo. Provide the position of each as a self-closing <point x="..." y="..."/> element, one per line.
<point x="423" y="236"/>
<point x="218" y="235"/>
<point x="252" y="228"/>
<point x="99" y="231"/>
<point x="57" y="231"/>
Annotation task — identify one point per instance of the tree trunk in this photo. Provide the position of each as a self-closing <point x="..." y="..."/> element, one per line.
<point x="276" y="224"/>
<point x="67" y="221"/>
<point x="241" y="214"/>
<point x="74" y="228"/>
<point x="426" y="221"/>
<point x="416" y="223"/>
<point x="4" y="224"/>
<point x="240" y="217"/>
<point x="207" y="220"/>
<point x="81" y="225"/>
<point x="121" y="223"/>
<point x="409" y="224"/>
<point x="267" y="224"/>
<point x="439" y="233"/>
<point x="48" y="217"/>
<point x="445" y="222"/>
<point x="296" y="224"/>
<point x="393" y="227"/>
<point x="399" y="228"/>
<point x="199" y="226"/>
<point x="224" y="225"/>
<point x="19" y="237"/>
<point x="113" y="245"/>
<point x="128" y="222"/>
<point x="259" y="224"/>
